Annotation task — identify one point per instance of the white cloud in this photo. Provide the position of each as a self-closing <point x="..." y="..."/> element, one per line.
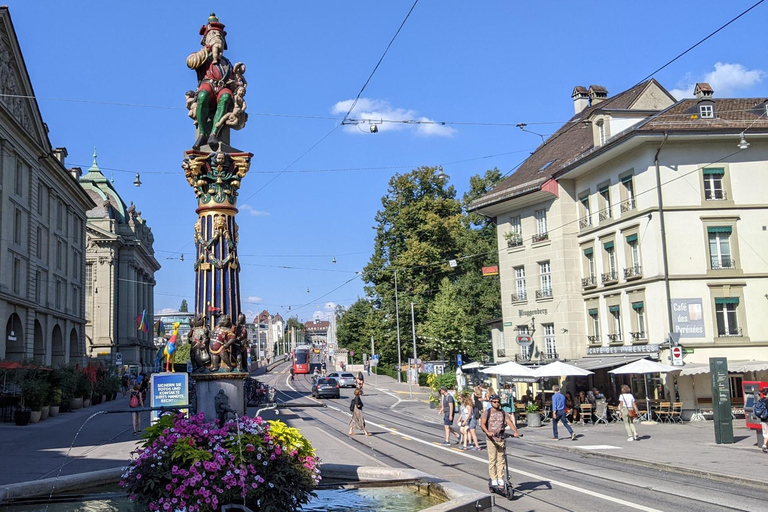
<point x="725" y="80"/>
<point x="250" y="315"/>
<point x="167" y="311"/>
<point x="253" y="299"/>
<point x="378" y="110"/>
<point x="330" y="306"/>
<point x="253" y="211"/>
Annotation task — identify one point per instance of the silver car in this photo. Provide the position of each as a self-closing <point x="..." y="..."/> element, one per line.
<point x="346" y="379"/>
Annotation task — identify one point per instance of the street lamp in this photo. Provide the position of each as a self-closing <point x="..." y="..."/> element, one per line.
<point x="415" y="359"/>
<point x="397" y="323"/>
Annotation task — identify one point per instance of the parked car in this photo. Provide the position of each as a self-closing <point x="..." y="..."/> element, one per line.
<point x="326" y="387"/>
<point x="346" y="379"/>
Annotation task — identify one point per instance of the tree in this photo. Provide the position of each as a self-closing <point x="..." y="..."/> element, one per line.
<point x="448" y="328"/>
<point x="183" y="308"/>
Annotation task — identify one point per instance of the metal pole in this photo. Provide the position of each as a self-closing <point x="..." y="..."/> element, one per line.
<point x="397" y="321"/>
<point x="415" y="360"/>
<point x="375" y="372"/>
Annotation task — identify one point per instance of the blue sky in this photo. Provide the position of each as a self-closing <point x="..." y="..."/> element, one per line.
<point x="113" y="75"/>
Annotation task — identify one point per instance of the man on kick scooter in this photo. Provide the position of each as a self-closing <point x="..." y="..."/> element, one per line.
<point x="493" y="422"/>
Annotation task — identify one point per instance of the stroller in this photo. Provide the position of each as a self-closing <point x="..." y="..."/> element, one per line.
<point x="508" y="490"/>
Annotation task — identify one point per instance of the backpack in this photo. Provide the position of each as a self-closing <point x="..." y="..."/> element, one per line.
<point x="760" y="411"/>
<point x="134" y="400"/>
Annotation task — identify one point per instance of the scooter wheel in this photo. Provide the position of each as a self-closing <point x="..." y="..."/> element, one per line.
<point x="509" y="491"/>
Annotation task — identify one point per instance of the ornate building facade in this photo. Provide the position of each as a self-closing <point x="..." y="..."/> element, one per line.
<point x="120" y="276"/>
<point x="42" y="225"/>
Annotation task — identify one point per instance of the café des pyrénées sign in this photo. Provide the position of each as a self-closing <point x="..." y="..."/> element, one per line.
<point x="633" y="349"/>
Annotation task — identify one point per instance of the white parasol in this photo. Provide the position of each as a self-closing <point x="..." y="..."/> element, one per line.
<point x="472" y="366"/>
<point x="509" y="369"/>
<point x="644" y="367"/>
<point x="560" y="369"/>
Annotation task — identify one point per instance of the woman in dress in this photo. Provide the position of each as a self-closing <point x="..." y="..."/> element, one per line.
<point x="628" y="410"/>
<point x="508" y="402"/>
<point x="356" y="408"/>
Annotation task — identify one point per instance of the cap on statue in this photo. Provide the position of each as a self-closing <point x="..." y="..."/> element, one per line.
<point x="213" y="24"/>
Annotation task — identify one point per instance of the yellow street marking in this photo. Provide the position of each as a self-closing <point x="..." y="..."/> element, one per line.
<point x="407" y="439"/>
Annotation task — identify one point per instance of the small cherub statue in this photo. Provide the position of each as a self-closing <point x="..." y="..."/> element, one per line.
<point x="221" y="403"/>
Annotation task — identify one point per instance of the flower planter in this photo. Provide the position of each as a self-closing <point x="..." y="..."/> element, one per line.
<point x="34" y="417"/>
<point x="44" y="412"/>
<point x="75" y="404"/>
<point x="53" y="411"/>
<point x="433" y="405"/>
<point x="533" y="419"/>
<point x="86" y="402"/>
<point x="65" y="406"/>
<point x="22" y="417"/>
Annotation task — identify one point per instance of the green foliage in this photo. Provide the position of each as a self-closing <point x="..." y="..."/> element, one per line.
<point x="531" y="407"/>
<point x="65" y="378"/>
<point x="421" y="226"/>
<point x="182" y="353"/>
<point x="34" y="392"/>
<point x="183" y="308"/>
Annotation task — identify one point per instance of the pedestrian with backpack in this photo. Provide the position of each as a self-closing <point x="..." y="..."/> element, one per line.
<point x="136" y="401"/>
<point x="760" y="410"/>
<point x="493" y="422"/>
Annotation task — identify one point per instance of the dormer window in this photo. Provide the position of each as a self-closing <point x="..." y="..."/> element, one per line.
<point x="601" y="132"/>
<point x="706" y="111"/>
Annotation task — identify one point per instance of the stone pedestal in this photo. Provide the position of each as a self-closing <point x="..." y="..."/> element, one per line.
<point x="208" y="385"/>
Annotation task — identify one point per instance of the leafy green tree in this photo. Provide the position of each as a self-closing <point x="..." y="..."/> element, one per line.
<point x="183" y="308"/>
<point x="448" y="328"/>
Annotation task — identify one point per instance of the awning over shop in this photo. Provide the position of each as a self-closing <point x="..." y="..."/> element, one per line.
<point x="607" y="361"/>
<point x="738" y="366"/>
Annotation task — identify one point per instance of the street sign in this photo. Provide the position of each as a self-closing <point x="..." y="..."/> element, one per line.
<point x="118" y="359"/>
<point x="687" y="351"/>
<point x="525" y="340"/>
<point x="677" y="356"/>
<point x="458" y="359"/>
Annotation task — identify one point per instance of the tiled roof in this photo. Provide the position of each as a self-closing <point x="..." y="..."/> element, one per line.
<point x="731" y="115"/>
<point x="571" y="140"/>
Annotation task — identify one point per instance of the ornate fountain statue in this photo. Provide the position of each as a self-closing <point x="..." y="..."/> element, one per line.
<point x="214" y="169"/>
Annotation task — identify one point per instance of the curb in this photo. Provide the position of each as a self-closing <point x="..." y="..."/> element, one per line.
<point x="62" y="484"/>
<point x="709" y="475"/>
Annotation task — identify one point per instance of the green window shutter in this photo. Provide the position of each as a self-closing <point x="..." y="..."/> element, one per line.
<point x="637" y="305"/>
<point x="608" y="246"/>
<point x="588" y="252"/>
<point x="631" y="238"/>
<point x="726" y="300"/>
<point x="593" y="312"/>
<point x="719" y="229"/>
<point x="614" y="309"/>
<point x="626" y="179"/>
<point x="714" y="171"/>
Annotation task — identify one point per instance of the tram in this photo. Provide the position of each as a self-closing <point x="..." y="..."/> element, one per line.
<point x="300" y="359"/>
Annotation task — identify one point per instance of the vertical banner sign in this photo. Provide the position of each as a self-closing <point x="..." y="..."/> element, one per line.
<point x="168" y="389"/>
<point x="688" y="318"/>
<point x="721" y="400"/>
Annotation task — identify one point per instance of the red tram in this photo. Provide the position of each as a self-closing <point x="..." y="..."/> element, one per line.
<point x="300" y="359"/>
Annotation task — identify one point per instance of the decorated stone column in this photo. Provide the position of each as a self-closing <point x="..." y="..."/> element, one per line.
<point x="214" y="170"/>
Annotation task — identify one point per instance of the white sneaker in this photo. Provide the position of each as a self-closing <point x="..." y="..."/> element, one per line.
<point x="497" y="483"/>
<point x="630" y="439"/>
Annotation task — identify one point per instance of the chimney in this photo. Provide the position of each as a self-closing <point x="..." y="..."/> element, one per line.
<point x="703" y="90"/>
<point x="76" y="172"/>
<point x="60" y="154"/>
<point x="580" y="97"/>
<point x="597" y="93"/>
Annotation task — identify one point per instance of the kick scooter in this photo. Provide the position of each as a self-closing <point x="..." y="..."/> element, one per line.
<point x="508" y="490"/>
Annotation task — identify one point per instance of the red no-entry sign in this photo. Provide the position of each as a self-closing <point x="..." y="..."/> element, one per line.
<point x="677" y="356"/>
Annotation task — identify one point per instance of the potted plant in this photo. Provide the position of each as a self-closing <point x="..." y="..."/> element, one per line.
<point x="533" y="418"/>
<point x="188" y="464"/>
<point x="65" y="379"/>
<point x="112" y="386"/>
<point x="33" y="394"/>
<point x="82" y="391"/>
<point x="55" y="401"/>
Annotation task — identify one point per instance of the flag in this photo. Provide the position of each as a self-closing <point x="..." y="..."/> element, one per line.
<point x="142" y="321"/>
<point x="160" y="328"/>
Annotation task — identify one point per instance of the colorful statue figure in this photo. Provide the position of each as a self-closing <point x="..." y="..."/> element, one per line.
<point x="198" y="338"/>
<point x="217" y="78"/>
<point x="168" y="351"/>
<point x="241" y="341"/>
<point x="223" y="338"/>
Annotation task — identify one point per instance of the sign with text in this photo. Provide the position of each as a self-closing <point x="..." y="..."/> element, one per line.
<point x="688" y="318"/>
<point x="632" y="349"/>
<point x="168" y="389"/>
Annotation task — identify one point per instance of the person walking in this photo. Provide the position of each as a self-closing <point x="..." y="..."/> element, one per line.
<point x="558" y="414"/>
<point x="135" y="401"/>
<point x="763" y="397"/>
<point x="468" y="423"/>
<point x="356" y="408"/>
<point x="124" y="381"/>
<point x="508" y="401"/>
<point x="447" y="409"/>
<point x="628" y="410"/>
<point x="292" y="372"/>
<point x="493" y="422"/>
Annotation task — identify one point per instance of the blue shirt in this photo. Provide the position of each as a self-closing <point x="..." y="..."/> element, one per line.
<point x="558" y="402"/>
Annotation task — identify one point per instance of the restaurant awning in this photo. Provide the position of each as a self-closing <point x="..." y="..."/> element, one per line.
<point x="607" y="361"/>
<point x="736" y="366"/>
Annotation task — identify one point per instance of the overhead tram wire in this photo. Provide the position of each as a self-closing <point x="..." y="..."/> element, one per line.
<point x="354" y="103"/>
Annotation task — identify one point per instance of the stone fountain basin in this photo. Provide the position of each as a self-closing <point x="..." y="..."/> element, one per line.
<point x="455" y="497"/>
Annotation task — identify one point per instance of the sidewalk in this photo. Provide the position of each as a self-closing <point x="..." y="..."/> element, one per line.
<point x="689" y="447"/>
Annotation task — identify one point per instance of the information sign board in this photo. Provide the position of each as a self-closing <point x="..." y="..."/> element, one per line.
<point x="168" y="389"/>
